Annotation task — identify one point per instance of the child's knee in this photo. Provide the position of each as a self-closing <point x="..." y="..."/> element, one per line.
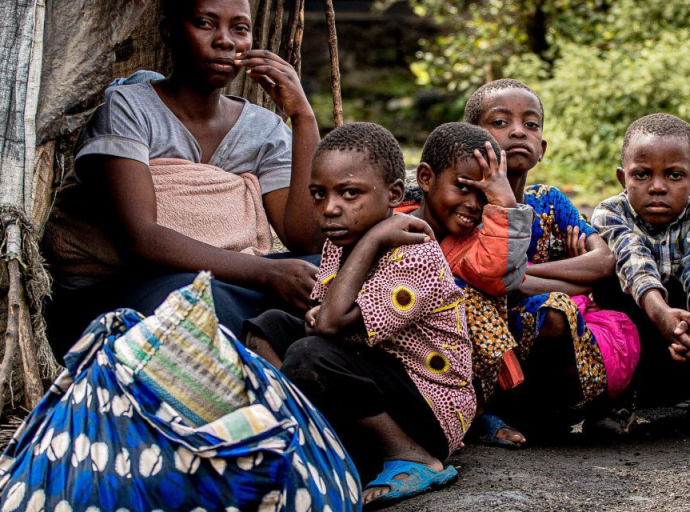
<point x="555" y="324"/>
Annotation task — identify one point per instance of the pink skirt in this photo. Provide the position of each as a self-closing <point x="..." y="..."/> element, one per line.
<point x="618" y="341"/>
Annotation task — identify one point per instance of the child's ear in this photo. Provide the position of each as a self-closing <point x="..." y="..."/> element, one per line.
<point x="543" y="149"/>
<point x="620" y="174"/>
<point x="425" y="177"/>
<point x="396" y="193"/>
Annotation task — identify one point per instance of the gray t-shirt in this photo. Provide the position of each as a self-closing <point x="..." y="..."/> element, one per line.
<point x="135" y="123"/>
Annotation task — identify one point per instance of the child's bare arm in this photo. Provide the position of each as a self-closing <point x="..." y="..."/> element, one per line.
<point x="290" y="211"/>
<point x="339" y="311"/>
<point x="673" y="323"/>
<point x="597" y="263"/>
<point x="537" y="285"/>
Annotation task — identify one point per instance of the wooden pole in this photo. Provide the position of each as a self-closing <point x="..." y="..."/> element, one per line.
<point x="274" y="45"/>
<point x="335" y="68"/>
<point x="294" y="45"/>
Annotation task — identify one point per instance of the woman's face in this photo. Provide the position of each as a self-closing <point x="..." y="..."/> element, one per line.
<point x="206" y="38"/>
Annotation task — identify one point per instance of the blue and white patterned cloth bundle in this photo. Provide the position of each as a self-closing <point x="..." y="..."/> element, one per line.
<point x="103" y="439"/>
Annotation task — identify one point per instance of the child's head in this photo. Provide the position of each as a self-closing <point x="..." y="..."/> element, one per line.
<point x="656" y="167"/>
<point x="204" y="36"/>
<point x="448" y="154"/>
<point x="357" y="178"/>
<point x="514" y="115"/>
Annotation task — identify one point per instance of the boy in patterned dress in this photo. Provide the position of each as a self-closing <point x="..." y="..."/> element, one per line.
<point x="384" y="353"/>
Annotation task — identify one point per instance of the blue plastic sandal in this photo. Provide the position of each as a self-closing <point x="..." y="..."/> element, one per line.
<point x="420" y="478"/>
<point x="488" y="426"/>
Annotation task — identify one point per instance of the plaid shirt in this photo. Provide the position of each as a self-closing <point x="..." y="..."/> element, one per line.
<point x="646" y="256"/>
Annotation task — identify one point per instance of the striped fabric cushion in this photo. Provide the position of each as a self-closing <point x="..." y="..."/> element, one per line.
<point x="181" y="354"/>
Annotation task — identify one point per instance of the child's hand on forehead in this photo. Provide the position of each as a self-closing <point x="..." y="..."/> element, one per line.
<point x="278" y="78"/>
<point x="494" y="183"/>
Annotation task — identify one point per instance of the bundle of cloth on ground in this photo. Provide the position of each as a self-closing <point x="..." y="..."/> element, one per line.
<point x="171" y="412"/>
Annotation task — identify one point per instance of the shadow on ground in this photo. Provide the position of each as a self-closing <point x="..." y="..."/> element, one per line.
<point x="650" y="470"/>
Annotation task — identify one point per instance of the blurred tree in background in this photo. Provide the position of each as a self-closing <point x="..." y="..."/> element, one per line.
<point x="597" y="65"/>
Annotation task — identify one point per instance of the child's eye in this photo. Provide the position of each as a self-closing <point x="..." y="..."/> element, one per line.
<point x="464" y="189"/>
<point x="244" y="29"/>
<point x="639" y="175"/>
<point x="317" y="195"/>
<point x="499" y="123"/>
<point x="675" y="175"/>
<point x="351" y="193"/>
<point x="532" y="125"/>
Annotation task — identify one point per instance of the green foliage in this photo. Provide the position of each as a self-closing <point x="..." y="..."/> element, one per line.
<point x="597" y="66"/>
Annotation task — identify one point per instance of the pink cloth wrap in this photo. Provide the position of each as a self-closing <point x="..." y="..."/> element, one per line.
<point x="618" y="341"/>
<point x="211" y="205"/>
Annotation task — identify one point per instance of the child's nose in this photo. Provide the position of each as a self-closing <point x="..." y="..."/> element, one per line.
<point x="518" y="130"/>
<point x="658" y="186"/>
<point x="331" y="208"/>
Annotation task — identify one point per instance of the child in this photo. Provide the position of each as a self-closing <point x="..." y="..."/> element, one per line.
<point x="384" y="354"/>
<point x="647" y="228"/>
<point x="456" y="183"/>
<point x="569" y="257"/>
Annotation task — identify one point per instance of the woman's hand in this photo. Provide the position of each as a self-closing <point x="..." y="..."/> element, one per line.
<point x="494" y="183"/>
<point x="278" y="78"/>
<point x="400" y="229"/>
<point x="293" y="281"/>
<point x="575" y="243"/>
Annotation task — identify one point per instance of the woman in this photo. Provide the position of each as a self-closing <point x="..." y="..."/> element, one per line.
<point x="150" y="202"/>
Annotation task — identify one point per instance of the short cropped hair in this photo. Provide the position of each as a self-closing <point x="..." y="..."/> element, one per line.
<point x="374" y="140"/>
<point x="660" y="125"/>
<point x="453" y="142"/>
<point x="474" y="106"/>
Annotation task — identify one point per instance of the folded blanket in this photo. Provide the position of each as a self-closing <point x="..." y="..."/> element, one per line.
<point x="211" y="205"/>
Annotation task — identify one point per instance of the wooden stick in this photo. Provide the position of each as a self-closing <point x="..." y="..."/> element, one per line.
<point x="274" y="45"/>
<point x="33" y="387"/>
<point x="335" y="68"/>
<point x="294" y="46"/>
<point x="299" y="34"/>
<point x="13" y="312"/>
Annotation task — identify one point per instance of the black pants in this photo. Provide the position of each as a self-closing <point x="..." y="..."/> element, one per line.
<point x="71" y="311"/>
<point x="658" y="378"/>
<point x="348" y="382"/>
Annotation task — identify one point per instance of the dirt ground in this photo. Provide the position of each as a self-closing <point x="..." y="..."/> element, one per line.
<point x="650" y="470"/>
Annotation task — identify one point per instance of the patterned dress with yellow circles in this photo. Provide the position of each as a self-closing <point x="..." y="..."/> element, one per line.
<point x="413" y="309"/>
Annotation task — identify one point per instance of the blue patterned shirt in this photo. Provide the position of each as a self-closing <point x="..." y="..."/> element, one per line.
<point x="553" y="213"/>
<point x="646" y="256"/>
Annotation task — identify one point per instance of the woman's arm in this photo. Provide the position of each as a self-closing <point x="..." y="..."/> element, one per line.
<point x="290" y="211"/>
<point x="596" y="264"/>
<point x="127" y="191"/>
